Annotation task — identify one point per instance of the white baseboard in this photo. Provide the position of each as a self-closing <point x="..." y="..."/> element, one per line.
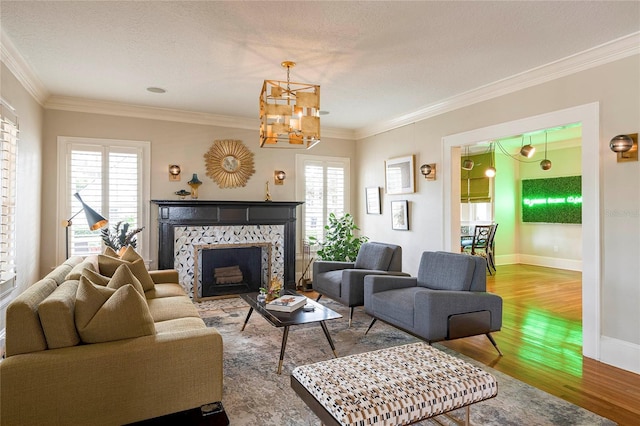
<point x="619" y="353"/>
<point x="549" y="262"/>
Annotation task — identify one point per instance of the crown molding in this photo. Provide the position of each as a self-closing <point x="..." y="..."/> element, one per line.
<point x="66" y="103"/>
<point x="599" y="55"/>
<point x="10" y="56"/>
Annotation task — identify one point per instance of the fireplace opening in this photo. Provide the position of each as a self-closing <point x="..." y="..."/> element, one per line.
<point x="231" y="270"/>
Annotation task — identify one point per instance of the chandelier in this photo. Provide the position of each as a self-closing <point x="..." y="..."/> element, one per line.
<point x="289" y="113"/>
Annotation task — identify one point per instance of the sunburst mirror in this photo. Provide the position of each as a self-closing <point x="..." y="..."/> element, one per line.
<point x="229" y="163"/>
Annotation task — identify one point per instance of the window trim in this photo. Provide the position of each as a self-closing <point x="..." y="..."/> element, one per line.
<point x="301" y="185"/>
<point x="62" y="208"/>
<point x="8" y="278"/>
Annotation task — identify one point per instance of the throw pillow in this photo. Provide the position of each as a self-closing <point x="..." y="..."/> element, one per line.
<point x="108" y="266"/>
<point x="103" y="314"/>
<point x="108" y="251"/>
<point x="95" y="277"/>
<point x="76" y="271"/>
<point x="121" y="277"/>
<point x="56" y="314"/>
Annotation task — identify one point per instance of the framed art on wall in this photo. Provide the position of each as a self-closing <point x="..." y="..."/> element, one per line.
<point x="399" y="175"/>
<point x="372" y="195"/>
<point x="400" y="215"/>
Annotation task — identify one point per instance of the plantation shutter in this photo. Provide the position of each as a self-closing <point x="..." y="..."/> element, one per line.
<point x="8" y="159"/>
<point x="324" y="190"/>
<point x="108" y="180"/>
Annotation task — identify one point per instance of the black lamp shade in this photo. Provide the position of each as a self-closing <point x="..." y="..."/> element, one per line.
<point x="94" y="219"/>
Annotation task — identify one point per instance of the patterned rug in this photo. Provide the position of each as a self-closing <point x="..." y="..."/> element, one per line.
<point x="255" y="395"/>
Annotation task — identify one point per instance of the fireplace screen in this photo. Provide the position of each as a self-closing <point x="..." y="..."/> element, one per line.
<point x="228" y="269"/>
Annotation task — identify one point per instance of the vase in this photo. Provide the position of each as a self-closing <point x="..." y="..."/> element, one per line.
<point x="194" y="183"/>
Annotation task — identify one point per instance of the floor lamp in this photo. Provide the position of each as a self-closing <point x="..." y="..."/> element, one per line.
<point x="94" y="219"/>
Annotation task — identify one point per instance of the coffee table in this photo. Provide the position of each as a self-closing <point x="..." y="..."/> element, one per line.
<point x="320" y="314"/>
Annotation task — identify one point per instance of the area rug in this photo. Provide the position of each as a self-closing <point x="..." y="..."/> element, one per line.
<point x="255" y="395"/>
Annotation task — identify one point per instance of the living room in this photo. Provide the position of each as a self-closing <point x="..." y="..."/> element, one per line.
<point x="597" y="85"/>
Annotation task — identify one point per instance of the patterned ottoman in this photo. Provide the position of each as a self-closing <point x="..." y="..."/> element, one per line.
<point x="395" y="386"/>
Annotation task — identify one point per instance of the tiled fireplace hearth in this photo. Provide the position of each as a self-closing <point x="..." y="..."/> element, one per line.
<point x="189" y="229"/>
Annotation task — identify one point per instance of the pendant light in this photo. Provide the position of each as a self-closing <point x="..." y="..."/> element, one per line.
<point x="546" y="163"/>
<point x="490" y="171"/>
<point x="527" y="150"/>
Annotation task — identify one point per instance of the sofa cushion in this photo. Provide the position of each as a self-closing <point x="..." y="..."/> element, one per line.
<point x="56" y="314"/>
<point x="24" y="332"/>
<point x="165" y="290"/>
<point x="446" y="271"/>
<point x="374" y="256"/>
<point x="331" y="283"/>
<point x="103" y="314"/>
<point x="108" y="266"/>
<point x="168" y="308"/>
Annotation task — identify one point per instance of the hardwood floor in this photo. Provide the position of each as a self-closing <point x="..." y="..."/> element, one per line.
<point x="541" y="339"/>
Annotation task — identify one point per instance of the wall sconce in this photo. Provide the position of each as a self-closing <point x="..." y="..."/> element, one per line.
<point x="279" y="176"/>
<point x="428" y="171"/>
<point x="174" y="173"/>
<point x="626" y="146"/>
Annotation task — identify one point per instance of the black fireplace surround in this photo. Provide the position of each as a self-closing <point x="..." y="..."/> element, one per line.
<point x="173" y="213"/>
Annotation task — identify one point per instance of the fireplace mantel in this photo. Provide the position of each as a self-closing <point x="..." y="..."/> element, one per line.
<point x="172" y="213"/>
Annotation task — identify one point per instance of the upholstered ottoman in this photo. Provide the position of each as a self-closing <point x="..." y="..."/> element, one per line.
<point x="395" y="386"/>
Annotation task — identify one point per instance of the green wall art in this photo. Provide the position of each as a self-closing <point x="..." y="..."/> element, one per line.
<point x="553" y="200"/>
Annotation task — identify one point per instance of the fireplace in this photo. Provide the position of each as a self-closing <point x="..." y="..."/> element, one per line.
<point x="224" y="269"/>
<point x="187" y="228"/>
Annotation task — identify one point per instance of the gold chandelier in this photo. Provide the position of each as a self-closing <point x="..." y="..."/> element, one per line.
<point x="289" y="113"/>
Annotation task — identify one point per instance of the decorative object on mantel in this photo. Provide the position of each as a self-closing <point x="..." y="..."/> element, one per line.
<point x="120" y="237"/>
<point x="229" y="163"/>
<point x="194" y="183"/>
<point x="267" y="196"/>
<point x="182" y="194"/>
<point x="289" y="113"/>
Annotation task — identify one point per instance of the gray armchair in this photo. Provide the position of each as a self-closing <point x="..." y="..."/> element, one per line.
<point x="447" y="300"/>
<point x="344" y="281"/>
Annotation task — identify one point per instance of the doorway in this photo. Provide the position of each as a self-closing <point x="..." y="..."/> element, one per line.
<point x="588" y="116"/>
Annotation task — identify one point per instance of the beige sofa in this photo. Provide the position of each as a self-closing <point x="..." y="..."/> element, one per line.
<point x="174" y="365"/>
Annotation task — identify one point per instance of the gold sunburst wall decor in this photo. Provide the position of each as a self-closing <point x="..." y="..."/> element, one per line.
<point x="229" y="163"/>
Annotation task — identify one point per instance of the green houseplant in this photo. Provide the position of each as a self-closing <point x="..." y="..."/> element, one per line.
<point x="340" y="242"/>
<point x="120" y="236"/>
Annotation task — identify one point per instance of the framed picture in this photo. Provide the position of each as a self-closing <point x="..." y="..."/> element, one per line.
<point x="372" y="195"/>
<point x="399" y="175"/>
<point x="400" y="215"/>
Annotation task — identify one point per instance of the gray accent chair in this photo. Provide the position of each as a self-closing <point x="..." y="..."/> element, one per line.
<point x="344" y="281"/>
<point x="447" y="300"/>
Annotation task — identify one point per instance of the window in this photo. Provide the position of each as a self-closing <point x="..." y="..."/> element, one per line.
<point x="324" y="188"/>
<point x="8" y="158"/>
<point x="112" y="178"/>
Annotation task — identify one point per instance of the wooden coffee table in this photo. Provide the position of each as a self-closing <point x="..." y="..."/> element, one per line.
<point x="320" y="314"/>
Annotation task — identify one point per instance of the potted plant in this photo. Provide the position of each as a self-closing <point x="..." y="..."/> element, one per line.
<point x="340" y="242"/>
<point x="120" y="237"/>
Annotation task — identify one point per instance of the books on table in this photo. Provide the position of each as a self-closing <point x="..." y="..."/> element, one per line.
<point x="288" y="303"/>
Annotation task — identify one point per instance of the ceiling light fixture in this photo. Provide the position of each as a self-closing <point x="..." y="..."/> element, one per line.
<point x="289" y="113"/>
<point x="527" y="150"/>
<point x="490" y="171"/>
<point x="546" y="163"/>
<point x="156" y="90"/>
<point x="467" y="163"/>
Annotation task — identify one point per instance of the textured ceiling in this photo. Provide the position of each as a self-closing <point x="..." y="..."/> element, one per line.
<point x="373" y="60"/>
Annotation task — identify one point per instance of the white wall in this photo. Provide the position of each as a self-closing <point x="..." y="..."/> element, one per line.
<point x="29" y="182"/>
<point x="173" y="143"/>
<point x="616" y="87"/>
